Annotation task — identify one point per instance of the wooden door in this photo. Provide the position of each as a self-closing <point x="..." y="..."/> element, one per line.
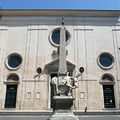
<point x="11" y="92"/>
<point x="109" y="100"/>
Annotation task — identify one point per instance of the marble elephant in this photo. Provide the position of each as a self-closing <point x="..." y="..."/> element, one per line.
<point x="66" y="89"/>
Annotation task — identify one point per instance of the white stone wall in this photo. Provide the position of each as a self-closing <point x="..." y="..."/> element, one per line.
<point x="29" y="37"/>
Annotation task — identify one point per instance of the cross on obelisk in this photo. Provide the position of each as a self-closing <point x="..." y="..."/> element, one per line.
<point x="62" y="58"/>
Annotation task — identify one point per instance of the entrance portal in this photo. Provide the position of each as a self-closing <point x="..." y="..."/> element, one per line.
<point x="52" y="93"/>
<point x="11" y="92"/>
<point x="52" y="72"/>
<point x="109" y="100"/>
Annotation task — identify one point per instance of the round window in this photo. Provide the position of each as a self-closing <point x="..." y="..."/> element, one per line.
<point x="55" y="37"/>
<point x="106" y="60"/>
<point x="14" y="61"/>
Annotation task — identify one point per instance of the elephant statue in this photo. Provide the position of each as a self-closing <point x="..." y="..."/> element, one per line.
<point x="65" y="88"/>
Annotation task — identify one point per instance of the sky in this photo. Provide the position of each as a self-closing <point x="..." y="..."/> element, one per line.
<point x="61" y="4"/>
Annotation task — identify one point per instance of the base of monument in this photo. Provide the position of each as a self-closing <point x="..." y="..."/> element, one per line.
<point x="63" y="117"/>
<point x="63" y="108"/>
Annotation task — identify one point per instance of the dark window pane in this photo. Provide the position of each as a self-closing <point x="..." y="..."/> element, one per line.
<point x="12" y="78"/>
<point x="56" y="36"/>
<point x="105" y="60"/>
<point x="14" y="61"/>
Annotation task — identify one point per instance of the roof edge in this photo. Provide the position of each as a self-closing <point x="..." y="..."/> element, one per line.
<point x="59" y="13"/>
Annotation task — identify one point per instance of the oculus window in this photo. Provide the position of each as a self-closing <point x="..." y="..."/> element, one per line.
<point x="105" y="60"/>
<point x="55" y="37"/>
<point x="14" y="61"/>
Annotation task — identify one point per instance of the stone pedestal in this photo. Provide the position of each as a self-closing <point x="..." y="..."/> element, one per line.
<point x="63" y="108"/>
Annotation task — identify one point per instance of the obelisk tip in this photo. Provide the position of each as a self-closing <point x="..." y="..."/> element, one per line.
<point x="62" y="21"/>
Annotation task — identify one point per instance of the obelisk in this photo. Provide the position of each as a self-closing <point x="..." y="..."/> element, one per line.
<point x="62" y="101"/>
<point x="62" y="58"/>
<point x="62" y="73"/>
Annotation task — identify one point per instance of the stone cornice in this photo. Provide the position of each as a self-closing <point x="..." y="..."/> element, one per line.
<point x="66" y="13"/>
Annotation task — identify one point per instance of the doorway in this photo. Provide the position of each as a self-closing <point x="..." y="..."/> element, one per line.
<point x="10" y="101"/>
<point x="109" y="100"/>
<point x="52" y="93"/>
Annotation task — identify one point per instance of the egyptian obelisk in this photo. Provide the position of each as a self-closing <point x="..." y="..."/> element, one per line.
<point x="62" y="102"/>
<point x="62" y="58"/>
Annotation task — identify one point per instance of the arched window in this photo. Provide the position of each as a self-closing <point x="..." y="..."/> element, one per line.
<point x="13" y="78"/>
<point x="107" y="79"/>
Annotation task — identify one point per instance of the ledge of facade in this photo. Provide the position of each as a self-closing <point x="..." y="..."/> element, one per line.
<point x="74" y="13"/>
<point x="11" y="83"/>
<point x="28" y="80"/>
<point x="89" y="80"/>
<point x="107" y="83"/>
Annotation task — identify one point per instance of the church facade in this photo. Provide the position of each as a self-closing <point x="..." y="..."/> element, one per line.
<point x="29" y="57"/>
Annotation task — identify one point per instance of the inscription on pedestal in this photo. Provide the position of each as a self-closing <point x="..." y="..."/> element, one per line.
<point x="62" y="108"/>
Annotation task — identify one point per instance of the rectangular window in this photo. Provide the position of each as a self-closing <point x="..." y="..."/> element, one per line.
<point x="82" y="95"/>
<point x="38" y="95"/>
<point x="29" y="95"/>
